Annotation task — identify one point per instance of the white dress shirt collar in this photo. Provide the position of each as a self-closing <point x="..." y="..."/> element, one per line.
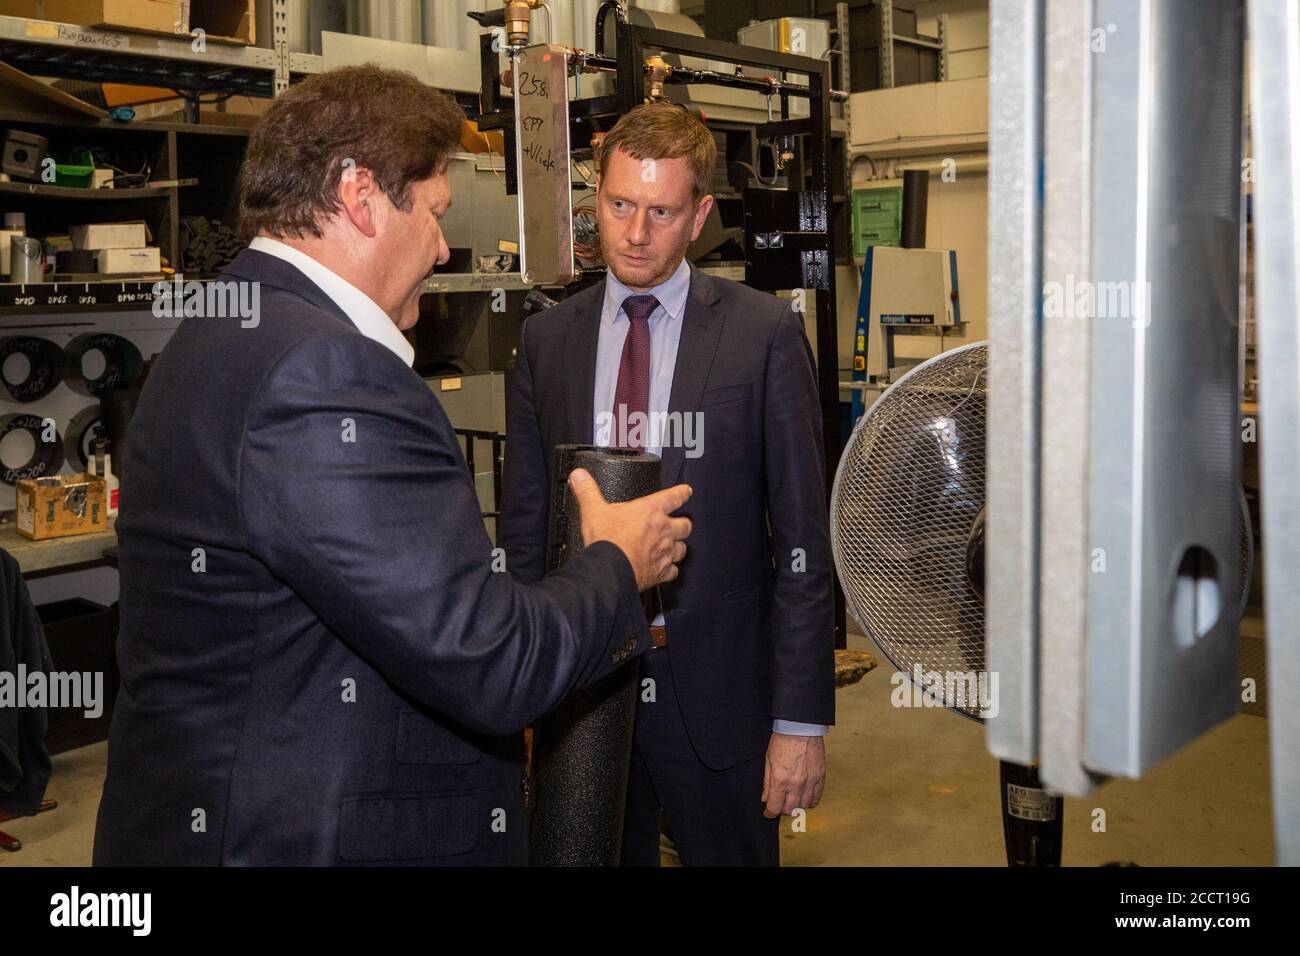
<point x="370" y="320"/>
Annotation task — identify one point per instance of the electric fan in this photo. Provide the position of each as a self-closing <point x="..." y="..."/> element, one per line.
<point x="907" y="531"/>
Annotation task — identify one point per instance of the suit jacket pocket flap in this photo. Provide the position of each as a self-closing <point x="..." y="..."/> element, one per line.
<point x="408" y="826"/>
<point x="727" y="393"/>
<point x="422" y="739"/>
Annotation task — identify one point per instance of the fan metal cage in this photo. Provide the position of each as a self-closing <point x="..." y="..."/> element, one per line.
<point x="908" y="500"/>
<point x="907" y="494"/>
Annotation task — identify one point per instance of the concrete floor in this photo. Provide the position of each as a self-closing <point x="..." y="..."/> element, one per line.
<point x="905" y="787"/>
<point x="63" y="836"/>
<point x="916" y="787"/>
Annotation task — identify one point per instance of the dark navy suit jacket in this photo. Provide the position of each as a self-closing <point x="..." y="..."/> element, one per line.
<point x="750" y="623"/>
<point x="319" y="664"/>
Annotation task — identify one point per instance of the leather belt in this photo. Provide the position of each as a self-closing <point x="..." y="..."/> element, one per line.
<point x="658" y="635"/>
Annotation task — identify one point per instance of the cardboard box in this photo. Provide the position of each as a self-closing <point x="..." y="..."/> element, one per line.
<point x="60" y="505"/>
<point x="169" y="17"/>
<point x="124" y="261"/>
<point x="109" y="235"/>
<point x="225" y="21"/>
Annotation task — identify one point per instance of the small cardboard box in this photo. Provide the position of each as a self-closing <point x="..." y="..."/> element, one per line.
<point x="60" y="505"/>
<point x="126" y="261"/>
<point x="109" y="235"/>
<point x="226" y="21"/>
<point x="147" y="16"/>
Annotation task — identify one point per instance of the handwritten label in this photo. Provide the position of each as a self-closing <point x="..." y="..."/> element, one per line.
<point x="545" y="198"/>
<point x="101" y="39"/>
<point x="540" y="154"/>
<point x="530" y="85"/>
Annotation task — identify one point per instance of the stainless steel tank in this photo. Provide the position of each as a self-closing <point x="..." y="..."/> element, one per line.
<point x="445" y="24"/>
<point x="386" y="19"/>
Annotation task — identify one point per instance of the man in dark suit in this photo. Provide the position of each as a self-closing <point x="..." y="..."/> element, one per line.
<point x="719" y="379"/>
<point x="319" y="662"/>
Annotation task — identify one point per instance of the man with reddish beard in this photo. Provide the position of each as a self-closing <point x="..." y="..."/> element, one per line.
<point x="717" y="379"/>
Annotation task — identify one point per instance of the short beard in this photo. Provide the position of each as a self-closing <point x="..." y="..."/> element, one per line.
<point x="611" y="258"/>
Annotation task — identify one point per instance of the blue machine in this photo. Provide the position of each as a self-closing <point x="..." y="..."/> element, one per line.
<point x="903" y="290"/>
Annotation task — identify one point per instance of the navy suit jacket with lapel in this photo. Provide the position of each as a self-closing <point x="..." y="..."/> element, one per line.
<point x="750" y="618"/>
<point x="319" y="662"/>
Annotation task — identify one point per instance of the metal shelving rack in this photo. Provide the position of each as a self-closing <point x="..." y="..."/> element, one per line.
<point x="181" y="155"/>
<point x="889" y="38"/>
<point x="68" y="51"/>
<point x="71" y="51"/>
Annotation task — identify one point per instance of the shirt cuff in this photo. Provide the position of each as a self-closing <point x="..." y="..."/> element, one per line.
<point x="796" y="729"/>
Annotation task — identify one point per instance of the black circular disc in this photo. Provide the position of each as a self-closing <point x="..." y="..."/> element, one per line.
<point x="45" y="366"/>
<point x="47" y="457"/>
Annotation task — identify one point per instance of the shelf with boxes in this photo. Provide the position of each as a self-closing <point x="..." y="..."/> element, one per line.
<point x="173" y="189"/>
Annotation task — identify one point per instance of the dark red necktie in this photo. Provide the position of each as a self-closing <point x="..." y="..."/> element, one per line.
<point x="632" y="394"/>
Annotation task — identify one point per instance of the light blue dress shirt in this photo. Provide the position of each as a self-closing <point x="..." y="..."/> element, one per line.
<point x="665" y="333"/>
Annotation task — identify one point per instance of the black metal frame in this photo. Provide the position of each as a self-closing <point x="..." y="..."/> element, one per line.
<point x="498" y="441"/>
<point x="810" y="239"/>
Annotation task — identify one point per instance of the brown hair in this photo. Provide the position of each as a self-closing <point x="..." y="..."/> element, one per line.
<point x="663" y="131"/>
<point x="386" y="121"/>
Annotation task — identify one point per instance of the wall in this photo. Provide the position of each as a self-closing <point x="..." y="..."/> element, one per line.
<point x="924" y="125"/>
<point x="968" y="34"/>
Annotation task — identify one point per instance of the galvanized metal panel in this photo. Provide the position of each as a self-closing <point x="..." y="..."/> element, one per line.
<point x="1067" y="208"/>
<point x="1015" y="237"/>
<point x="1275" y="118"/>
<point x="1164" y="439"/>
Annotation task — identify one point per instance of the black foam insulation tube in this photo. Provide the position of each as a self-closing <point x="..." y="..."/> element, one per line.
<point x="583" y="748"/>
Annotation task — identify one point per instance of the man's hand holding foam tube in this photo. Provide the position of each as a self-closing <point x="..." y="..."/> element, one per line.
<point x="643" y="529"/>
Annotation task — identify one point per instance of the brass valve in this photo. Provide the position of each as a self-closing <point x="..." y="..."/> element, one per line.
<point x="517" y="18"/>
<point x="658" y="71"/>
